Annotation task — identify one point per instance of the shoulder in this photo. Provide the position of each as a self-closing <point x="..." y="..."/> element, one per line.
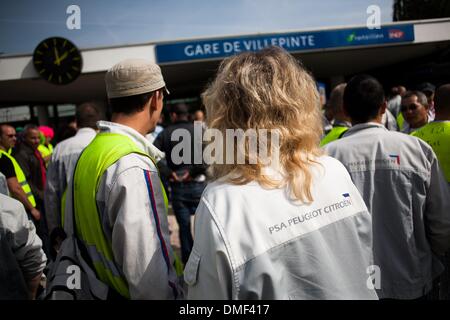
<point x="12" y="213"/>
<point x="132" y="166"/>
<point x="9" y="204"/>
<point x="413" y="143"/>
<point x="75" y="142"/>
<point x="5" y="160"/>
<point x="330" y="163"/>
<point x="219" y="189"/>
<point x="221" y="193"/>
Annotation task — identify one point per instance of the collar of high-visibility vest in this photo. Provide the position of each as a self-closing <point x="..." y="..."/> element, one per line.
<point x="140" y="140"/>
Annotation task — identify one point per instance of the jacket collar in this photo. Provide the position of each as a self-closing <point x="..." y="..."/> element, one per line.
<point x="339" y="123"/>
<point x="141" y="142"/>
<point x="85" y="130"/>
<point x="363" y="126"/>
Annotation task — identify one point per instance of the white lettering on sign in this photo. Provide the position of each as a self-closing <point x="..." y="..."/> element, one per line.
<point x="234" y="46"/>
<point x="237" y="46"/>
<point x="283" y="42"/>
<point x="202" y="49"/>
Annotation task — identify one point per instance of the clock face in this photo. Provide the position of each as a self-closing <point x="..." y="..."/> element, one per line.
<point x="57" y="60"/>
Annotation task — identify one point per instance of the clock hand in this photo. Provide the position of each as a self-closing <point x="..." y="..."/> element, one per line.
<point x="56" y="56"/>
<point x="65" y="54"/>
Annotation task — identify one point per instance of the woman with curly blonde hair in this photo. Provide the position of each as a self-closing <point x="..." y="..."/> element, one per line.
<point x="292" y="226"/>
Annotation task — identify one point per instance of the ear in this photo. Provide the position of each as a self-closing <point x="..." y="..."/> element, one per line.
<point x="383" y="108"/>
<point x="154" y="100"/>
<point x="344" y="110"/>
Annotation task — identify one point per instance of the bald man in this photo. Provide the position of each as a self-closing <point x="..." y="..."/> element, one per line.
<point x="15" y="178"/>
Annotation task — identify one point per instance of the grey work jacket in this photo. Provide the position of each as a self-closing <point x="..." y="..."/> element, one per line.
<point x="21" y="255"/>
<point x="405" y="191"/>
<point x="60" y="171"/>
<point x="3" y="185"/>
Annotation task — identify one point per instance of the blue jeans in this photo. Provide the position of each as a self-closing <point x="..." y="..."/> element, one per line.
<point x="185" y="199"/>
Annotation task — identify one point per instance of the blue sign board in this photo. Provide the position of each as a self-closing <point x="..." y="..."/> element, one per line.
<point x="293" y="42"/>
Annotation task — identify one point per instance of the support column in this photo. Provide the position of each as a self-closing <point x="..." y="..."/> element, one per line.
<point x="55" y="116"/>
<point x="43" y="116"/>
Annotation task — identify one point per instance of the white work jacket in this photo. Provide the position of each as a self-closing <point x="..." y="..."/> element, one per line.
<point x="256" y="243"/>
<point x="138" y="234"/>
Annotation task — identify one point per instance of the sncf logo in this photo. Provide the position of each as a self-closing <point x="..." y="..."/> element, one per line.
<point x="396" y="157"/>
<point x="396" y="34"/>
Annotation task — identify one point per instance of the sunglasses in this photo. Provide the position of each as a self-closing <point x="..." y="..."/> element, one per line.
<point x="411" y="107"/>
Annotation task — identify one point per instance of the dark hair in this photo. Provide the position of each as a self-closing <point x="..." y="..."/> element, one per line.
<point x="442" y="98"/>
<point x="421" y="97"/>
<point x="363" y="97"/>
<point x="427" y="88"/>
<point x="30" y="126"/>
<point x="336" y="98"/>
<point x="180" y="109"/>
<point x="87" y="115"/>
<point x="131" y="104"/>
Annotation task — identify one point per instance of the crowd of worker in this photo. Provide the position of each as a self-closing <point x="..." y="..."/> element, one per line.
<point x="382" y="162"/>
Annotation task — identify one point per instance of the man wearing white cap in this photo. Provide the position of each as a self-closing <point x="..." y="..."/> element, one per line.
<point x="119" y="204"/>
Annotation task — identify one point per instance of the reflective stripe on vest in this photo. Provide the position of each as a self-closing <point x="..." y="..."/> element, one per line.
<point x="334" y="134"/>
<point x="99" y="155"/>
<point x="20" y="178"/>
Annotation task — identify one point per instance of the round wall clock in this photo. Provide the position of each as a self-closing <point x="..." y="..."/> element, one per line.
<point x="57" y="60"/>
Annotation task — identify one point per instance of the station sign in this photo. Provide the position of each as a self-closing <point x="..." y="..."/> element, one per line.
<point x="292" y="42"/>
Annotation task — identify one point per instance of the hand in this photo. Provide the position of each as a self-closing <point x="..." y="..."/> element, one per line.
<point x="56" y="56"/>
<point x="174" y="177"/>
<point x="186" y="177"/>
<point x="36" y="214"/>
<point x="65" y="54"/>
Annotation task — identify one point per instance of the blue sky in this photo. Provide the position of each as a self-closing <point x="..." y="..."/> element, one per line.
<point x="24" y="23"/>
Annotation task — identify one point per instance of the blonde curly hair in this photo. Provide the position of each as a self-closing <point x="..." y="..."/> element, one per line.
<point x="269" y="90"/>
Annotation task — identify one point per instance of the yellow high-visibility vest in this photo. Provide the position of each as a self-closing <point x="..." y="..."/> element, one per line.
<point x="99" y="155"/>
<point x="20" y="177"/>
<point x="334" y="134"/>
<point x="437" y="135"/>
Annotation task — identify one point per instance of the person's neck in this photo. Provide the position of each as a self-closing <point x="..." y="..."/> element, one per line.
<point x="442" y="117"/>
<point x="375" y="120"/>
<point x="182" y="119"/>
<point x="3" y="148"/>
<point x="340" y="118"/>
<point x="135" y="121"/>
<point x="420" y="124"/>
